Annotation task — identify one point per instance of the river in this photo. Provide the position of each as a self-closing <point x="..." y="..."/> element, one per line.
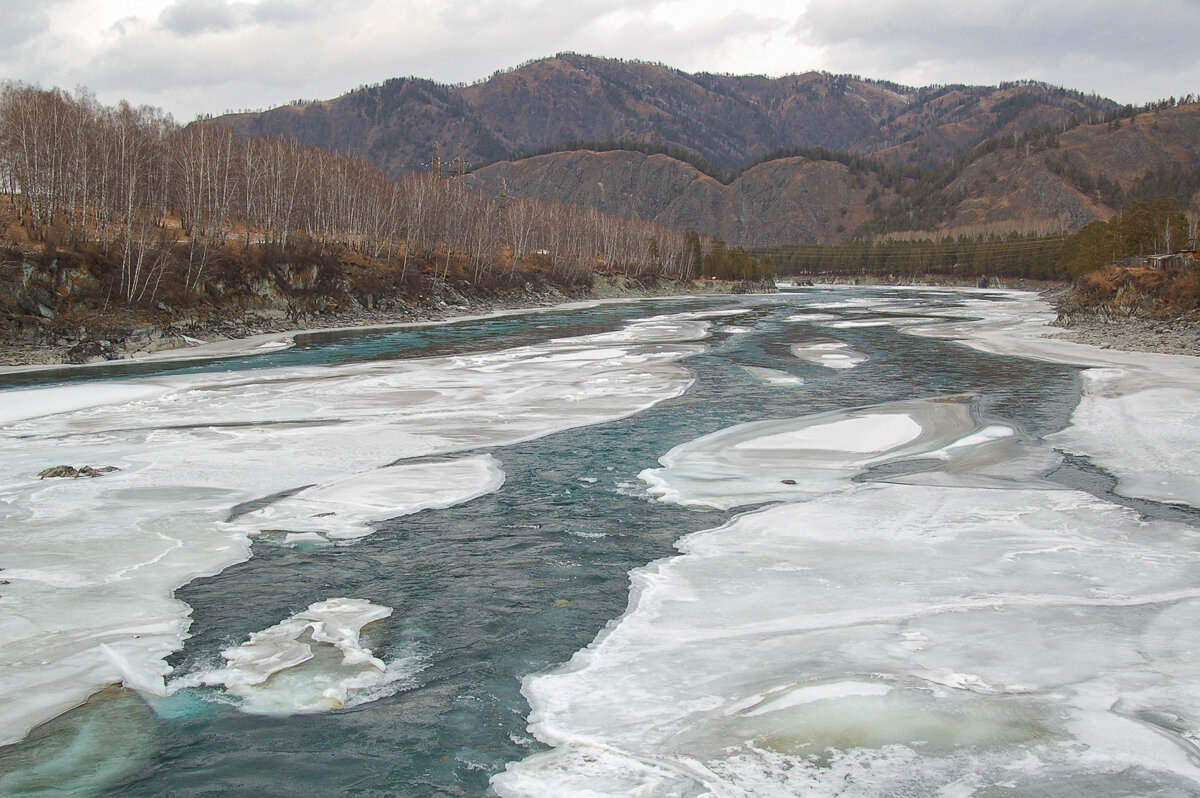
<point x="807" y="542"/>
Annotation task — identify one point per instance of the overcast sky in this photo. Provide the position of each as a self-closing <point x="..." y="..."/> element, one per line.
<point x="208" y="56"/>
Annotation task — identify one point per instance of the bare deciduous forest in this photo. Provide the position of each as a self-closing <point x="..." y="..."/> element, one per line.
<point x="146" y="213"/>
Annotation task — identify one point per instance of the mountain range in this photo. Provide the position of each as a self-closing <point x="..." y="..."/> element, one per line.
<point x="812" y="157"/>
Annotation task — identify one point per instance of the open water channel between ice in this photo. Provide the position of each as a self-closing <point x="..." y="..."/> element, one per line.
<point x="835" y="541"/>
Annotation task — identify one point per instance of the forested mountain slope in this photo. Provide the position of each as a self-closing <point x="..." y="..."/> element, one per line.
<point x="814" y="158"/>
<point x="1056" y="177"/>
<point x="726" y="120"/>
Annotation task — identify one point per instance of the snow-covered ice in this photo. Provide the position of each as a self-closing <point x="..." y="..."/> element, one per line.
<point x="944" y="440"/>
<point x="830" y="354"/>
<point x="958" y="627"/>
<point x="1139" y="416"/>
<point x="92" y="563"/>
<point x="346" y="508"/>
<point x="313" y="661"/>
<point x="899" y="636"/>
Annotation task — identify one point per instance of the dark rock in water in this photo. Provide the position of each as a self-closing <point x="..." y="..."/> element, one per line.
<point x="764" y="285"/>
<point x="75" y="473"/>
<point x="59" y="471"/>
<point x="88" y="471"/>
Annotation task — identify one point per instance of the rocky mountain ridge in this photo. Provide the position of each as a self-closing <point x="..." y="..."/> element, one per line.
<point x="405" y="123"/>
<point x="757" y="161"/>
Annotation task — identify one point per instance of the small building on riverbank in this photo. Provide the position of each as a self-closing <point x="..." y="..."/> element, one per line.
<point x="1185" y="260"/>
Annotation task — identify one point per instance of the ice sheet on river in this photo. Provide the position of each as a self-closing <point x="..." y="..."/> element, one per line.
<point x="892" y="640"/>
<point x="91" y="563"/>
<point x="956" y="630"/>
<point x="1139" y="415"/>
<point x="314" y="661"/>
<point x="931" y="441"/>
<point x="830" y="354"/>
<point x="347" y="508"/>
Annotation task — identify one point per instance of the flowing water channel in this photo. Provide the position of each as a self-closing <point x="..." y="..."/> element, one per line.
<point x="513" y="582"/>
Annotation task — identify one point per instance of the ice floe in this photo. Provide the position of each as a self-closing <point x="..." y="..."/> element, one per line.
<point x="91" y="564"/>
<point x="348" y="507"/>
<point x="921" y="615"/>
<point x="943" y="441"/>
<point x="830" y="354"/>
<point x="312" y="662"/>
<point x="894" y="638"/>
<point x="812" y="317"/>
<point x="890" y="321"/>
<point x="1139" y="415"/>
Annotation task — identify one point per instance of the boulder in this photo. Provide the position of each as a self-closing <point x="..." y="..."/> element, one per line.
<point x="59" y="471"/>
<point x="75" y="473"/>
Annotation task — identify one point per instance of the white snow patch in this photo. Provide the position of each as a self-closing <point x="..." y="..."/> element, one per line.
<point x="870" y="433"/>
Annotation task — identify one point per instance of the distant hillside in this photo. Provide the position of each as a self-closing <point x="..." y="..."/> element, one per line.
<point x="1043" y="180"/>
<point x="815" y="158"/>
<point x="1088" y="172"/>
<point x="725" y="119"/>
<point x="786" y="199"/>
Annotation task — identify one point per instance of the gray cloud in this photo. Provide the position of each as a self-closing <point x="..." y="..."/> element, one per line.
<point x="193" y="17"/>
<point x="1111" y="46"/>
<point x="23" y="21"/>
<point x="197" y="56"/>
<point x="300" y="12"/>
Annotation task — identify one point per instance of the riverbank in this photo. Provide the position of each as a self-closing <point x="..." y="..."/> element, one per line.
<point x="1106" y="328"/>
<point x="1177" y="336"/>
<point x="125" y="338"/>
<point x="129" y="340"/>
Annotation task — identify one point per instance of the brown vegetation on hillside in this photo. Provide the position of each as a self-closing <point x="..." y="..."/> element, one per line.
<point x="1139" y="291"/>
<point x="120" y="207"/>
<point x="1052" y="178"/>
<point x="811" y="158"/>
<point x="724" y="120"/>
